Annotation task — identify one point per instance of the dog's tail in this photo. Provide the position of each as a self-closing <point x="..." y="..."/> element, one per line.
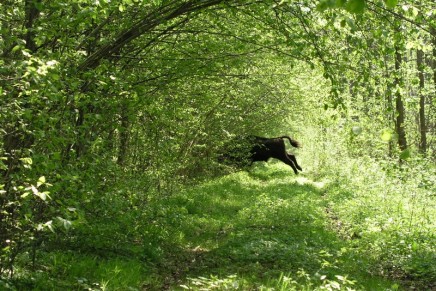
<point x="293" y="142"/>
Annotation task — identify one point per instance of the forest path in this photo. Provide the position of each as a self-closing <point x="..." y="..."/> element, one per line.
<point x="262" y="229"/>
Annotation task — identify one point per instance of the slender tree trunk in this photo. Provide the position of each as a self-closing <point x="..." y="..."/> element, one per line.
<point x="389" y="107"/>
<point x="32" y="13"/>
<point x="399" y="104"/>
<point x="432" y="125"/>
<point x="433" y="33"/>
<point x="422" y="121"/>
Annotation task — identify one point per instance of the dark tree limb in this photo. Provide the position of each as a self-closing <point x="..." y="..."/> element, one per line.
<point x="159" y="16"/>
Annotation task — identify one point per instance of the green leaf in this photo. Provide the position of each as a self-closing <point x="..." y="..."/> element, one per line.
<point x="343" y="23"/>
<point x="27" y="161"/>
<point x="49" y="225"/>
<point x="16" y="48"/>
<point x="415" y="246"/>
<point x="25" y="194"/>
<point x="64" y="222"/>
<point x="41" y="181"/>
<point x="42" y="195"/>
<point x="391" y="3"/>
<point x="405" y="154"/>
<point x="355" y="6"/>
<point x="386" y="135"/>
<point x="326" y="4"/>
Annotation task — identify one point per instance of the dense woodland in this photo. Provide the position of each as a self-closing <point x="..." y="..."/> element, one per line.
<point x="112" y="114"/>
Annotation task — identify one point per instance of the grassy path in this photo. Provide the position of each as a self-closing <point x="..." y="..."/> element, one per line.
<point x="263" y="230"/>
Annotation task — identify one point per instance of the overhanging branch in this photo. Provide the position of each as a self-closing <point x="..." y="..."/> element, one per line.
<point x="149" y="22"/>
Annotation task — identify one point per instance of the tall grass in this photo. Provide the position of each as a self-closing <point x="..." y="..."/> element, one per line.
<point x="386" y="209"/>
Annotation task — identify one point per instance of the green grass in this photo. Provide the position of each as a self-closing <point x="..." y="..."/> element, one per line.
<point x="265" y="229"/>
<point x="74" y="271"/>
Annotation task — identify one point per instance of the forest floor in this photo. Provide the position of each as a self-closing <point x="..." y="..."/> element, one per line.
<point x="265" y="229"/>
<point x="261" y="229"/>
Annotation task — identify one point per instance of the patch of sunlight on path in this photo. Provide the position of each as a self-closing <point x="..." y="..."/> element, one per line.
<point x="305" y="181"/>
<point x="265" y="229"/>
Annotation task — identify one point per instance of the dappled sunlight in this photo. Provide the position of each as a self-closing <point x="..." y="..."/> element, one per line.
<point x="243" y="231"/>
<point x="306" y="181"/>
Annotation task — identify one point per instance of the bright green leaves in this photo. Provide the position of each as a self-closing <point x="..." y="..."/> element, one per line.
<point x="353" y="6"/>
<point x="27" y="162"/>
<point x="391" y="3"/>
<point x="35" y="190"/>
<point x="326" y="4"/>
<point x="386" y="135"/>
<point x="125" y="3"/>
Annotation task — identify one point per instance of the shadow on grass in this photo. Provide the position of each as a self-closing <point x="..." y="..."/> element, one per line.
<point x="255" y="227"/>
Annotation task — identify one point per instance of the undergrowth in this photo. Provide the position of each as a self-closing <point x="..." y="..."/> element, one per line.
<point x="389" y="215"/>
<point x="262" y="229"/>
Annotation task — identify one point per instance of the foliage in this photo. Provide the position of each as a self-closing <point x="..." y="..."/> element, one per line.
<point x="110" y="109"/>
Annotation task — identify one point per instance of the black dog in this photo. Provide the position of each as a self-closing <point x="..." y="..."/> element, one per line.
<point x="246" y="150"/>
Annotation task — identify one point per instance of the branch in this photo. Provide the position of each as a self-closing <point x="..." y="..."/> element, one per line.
<point x="398" y="15"/>
<point x="32" y="13"/>
<point x="149" y="22"/>
<point x="95" y="31"/>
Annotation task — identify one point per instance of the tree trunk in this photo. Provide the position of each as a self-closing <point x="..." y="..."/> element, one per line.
<point x="399" y="105"/>
<point x="432" y="125"/>
<point x="32" y="13"/>
<point x="389" y="106"/>
<point x="422" y="121"/>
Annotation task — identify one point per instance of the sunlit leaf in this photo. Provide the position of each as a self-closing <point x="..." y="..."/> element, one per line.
<point x="49" y="225"/>
<point x="41" y="181"/>
<point x="24" y="195"/>
<point x="386" y="135"/>
<point x="36" y="192"/>
<point x="16" y="48"/>
<point x="27" y="161"/>
<point x="391" y="3"/>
